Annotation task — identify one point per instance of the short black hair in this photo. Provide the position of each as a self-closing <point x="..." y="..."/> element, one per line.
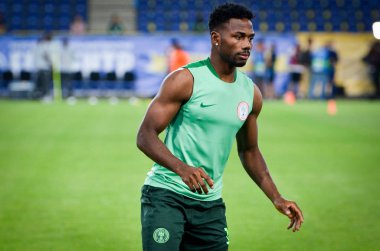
<point x="222" y="13"/>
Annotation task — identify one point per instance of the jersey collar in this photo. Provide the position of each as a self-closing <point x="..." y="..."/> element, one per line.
<point x="212" y="69"/>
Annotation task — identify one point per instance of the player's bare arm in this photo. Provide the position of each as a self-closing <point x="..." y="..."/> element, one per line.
<point x="254" y="164"/>
<point x="175" y="91"/>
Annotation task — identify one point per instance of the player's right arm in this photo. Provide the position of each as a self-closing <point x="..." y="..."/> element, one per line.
<point x="175" y="91"/>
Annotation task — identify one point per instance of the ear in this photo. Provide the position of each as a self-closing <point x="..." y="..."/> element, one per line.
<point x="215" y="38"/>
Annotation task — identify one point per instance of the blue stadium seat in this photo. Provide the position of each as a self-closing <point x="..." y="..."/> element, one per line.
<point x="288" y="11"/>
<point x="3" y="8"/>
<point x="374" y="4"/>
<point x="48" y="8"/>
<point x="159" y="22"/>
<point x="142" y="26"/>
<point x="303" y="26"/>
<point x="22" y="14"/>
<point x="64" y="22"/>
<point x="33" y="9"/>
<point x="81" y="10"/>
<point x="287" y="26"/>
<point x="319" y="26"/>
<point x="17" y="8"/>
<point x="16" y="23"/>
<point x="33" y="23"/>
<point x="64" y="8"/>
<point x="48" y="23"/>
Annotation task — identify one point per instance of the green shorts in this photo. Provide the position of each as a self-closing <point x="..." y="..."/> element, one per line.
<point x="171" y="222"/>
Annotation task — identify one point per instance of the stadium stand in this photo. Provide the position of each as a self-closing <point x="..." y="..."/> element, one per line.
<point x="277" y="15"/>
<point x="168" y="15"/>
<point x="26" y="15"/>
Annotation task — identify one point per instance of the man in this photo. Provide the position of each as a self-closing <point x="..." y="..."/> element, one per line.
<point x="333" y="59"/>
<point x="177" y="56"/>
<point x="372" y="58"/>
<point x="67" y="58"/>
<point x="259" y="67"/>
<point x="323" y="67"/>
<point x="44" y="66"/>
<point x="203" y="106"/>
<point x="270" y="74"/>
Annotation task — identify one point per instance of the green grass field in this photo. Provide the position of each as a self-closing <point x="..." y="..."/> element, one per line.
<point x="70" y="178"/>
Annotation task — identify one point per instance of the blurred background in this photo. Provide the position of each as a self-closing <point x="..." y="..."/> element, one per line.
<point x="122" y="48"/>
<point x="70" y="172"/>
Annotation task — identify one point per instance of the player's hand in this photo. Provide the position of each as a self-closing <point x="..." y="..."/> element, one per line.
<point x="194" y="178"/>
<point x="290" y="209"/>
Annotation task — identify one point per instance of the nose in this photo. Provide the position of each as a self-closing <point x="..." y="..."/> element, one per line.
<point x="247" y="45"/>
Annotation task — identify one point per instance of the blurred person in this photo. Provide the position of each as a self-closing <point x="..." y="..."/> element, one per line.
<point x="259" y="69"/>
<point x="3" y="24"/>
<point x="67" y="58"/>
<point x="43" y="56"/>
<point x="320" y="72"/>
<point x="270" y="61"/>
<point x="115" y="26"/>
<point x="295" y="70"/>
<point x="306" y="60"/>
<point x="333" y="59"/>
<point x="199" y="25"/>
<point x="78" y="26"/>
<point x="204" y="106"/>
<point x="323" y="68"/>
<point x="372" y="59"/>
<point x="306" y="54"/>
<point x="177" y="57"/>
<point x="332" y="62"/>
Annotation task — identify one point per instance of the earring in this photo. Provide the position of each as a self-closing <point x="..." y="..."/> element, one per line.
<point x="216" y="44"/>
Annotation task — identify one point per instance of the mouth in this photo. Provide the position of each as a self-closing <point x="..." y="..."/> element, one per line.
<point x="244" y="55"/>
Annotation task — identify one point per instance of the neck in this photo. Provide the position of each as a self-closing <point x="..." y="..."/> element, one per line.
<point x="225" y="71"/>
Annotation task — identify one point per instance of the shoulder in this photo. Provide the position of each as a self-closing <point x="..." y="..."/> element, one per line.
<point x="244" y="76"/>
<point x="246" y="81"/>
<point x="180" y="75"/>
<point x="177" y="85"/>
<point x="197" y="64"/>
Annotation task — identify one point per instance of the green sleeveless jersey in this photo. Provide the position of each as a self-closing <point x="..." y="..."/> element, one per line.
<point x="204" y="129"/>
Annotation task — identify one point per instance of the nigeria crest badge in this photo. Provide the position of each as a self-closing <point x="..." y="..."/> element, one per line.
<point x="243" y="110"/>
<point x="161" y="235"/>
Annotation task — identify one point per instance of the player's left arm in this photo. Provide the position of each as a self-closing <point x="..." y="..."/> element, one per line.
<point x="254" y="164"/>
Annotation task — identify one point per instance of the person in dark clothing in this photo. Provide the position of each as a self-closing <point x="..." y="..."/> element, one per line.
<point x="333" y="59"/>
<point x="44" y="66"/>
<point x="116" y="27"/>
<point x="295" y="69"/>
<point x="372" y="58"/>
<point x="270" y="61"/>
<point x="306" y="54"/>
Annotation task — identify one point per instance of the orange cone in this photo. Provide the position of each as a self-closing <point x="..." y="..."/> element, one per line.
<point x="331" y="107"/>
<point x="289" y="98"/>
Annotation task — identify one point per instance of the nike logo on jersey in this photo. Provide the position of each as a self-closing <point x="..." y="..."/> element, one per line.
<point x="206" y="105"/>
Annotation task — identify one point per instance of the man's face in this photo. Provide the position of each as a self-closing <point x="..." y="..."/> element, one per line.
<point x="236" y="38"/>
